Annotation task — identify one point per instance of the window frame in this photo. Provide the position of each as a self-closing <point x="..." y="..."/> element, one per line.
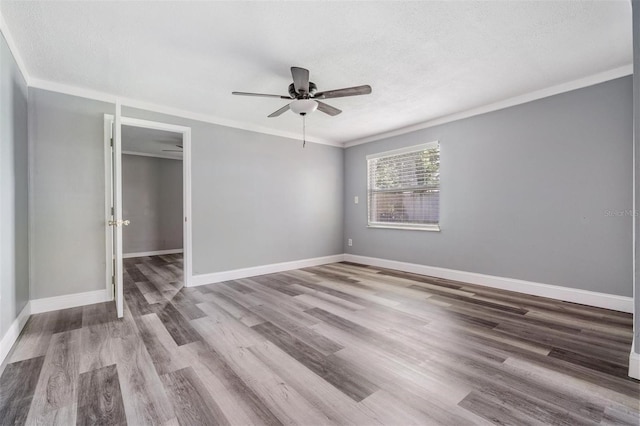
<point x="433" y="227"/>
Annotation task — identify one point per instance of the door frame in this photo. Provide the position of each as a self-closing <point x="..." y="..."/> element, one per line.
<point x="186" y="192"/>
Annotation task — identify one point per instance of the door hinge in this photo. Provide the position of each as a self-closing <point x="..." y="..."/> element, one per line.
<point x="111" y="142"/>
<point x="111" y="211"/>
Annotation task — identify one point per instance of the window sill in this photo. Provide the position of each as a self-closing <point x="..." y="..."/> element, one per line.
<point x="430" y="228"/>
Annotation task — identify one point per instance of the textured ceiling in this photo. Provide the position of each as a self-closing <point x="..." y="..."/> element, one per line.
<point x="424" y="60"/>
<point x="151" y="141"/>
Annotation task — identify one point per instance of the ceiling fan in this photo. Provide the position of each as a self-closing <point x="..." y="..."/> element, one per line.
<point x="305" y="95"/>
<point x="174" y="150"/>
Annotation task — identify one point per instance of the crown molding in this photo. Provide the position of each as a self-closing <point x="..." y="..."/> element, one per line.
<point x="495" y="106"/>
<point x="161" y="109"/>
<point x="205" y="118"/>
<point x="4" y="29"/>
<point x="505" y="103"/>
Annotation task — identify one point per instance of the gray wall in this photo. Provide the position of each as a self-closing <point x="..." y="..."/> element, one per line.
<point x="259" y="199"/>
<point x="525" y="193"/>
<point x="67" y="193"/>
<point x="14" y="236"/>
<point x="152" y="201"/>
<point x="636" y="120"/>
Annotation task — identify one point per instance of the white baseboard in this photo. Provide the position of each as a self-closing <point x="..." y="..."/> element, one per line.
<point x="48" y="304"/>
<point x="584" y="297"/>
<point x="235" y="274"/>
<point x="634" y="362"/>
<point x="151" y="253"/>
<point x="14" y="331"/>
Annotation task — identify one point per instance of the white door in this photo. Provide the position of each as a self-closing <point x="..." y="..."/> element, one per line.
<point x="117" y="221"/>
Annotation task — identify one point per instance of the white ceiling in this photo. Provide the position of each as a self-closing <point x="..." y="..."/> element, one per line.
<point x="424" y="60"/>
<point x="151" y="142"/>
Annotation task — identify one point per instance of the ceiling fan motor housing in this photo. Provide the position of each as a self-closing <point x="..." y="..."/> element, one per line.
<point x="295" y="95"/>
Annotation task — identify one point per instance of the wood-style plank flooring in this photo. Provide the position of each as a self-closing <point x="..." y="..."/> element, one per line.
<point x="336" y="344"/>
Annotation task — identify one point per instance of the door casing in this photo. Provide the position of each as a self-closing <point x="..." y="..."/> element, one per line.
<point x="186" y="191"/>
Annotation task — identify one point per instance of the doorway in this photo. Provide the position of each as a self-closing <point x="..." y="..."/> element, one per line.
<point x="147" y="208"/>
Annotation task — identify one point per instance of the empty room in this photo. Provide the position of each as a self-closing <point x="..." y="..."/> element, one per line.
<point x="319" y="212"/>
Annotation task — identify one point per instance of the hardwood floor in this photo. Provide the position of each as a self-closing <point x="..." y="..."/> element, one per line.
<point x="336" y="344"/>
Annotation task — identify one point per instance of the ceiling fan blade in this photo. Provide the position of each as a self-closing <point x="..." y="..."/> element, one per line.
<point x="261" y="95"/>
<point x="300" y="79"/>
<point x="280" y="111"/>
<point x="328" y="109"/>
<point x="341" y="93"/>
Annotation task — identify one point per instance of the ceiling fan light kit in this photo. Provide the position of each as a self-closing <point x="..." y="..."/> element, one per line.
<point x="303" y="106"/>
<point x="304" y="94"/>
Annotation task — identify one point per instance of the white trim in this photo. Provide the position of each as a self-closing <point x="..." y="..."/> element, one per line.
<point x="49" y="304"/>
<point x="175" y="112"/>
<point x="634" y="362"/>
<point x="205" y="118"/>
<point x="71" y="90"/>
<point x="634" y="356"/>
<point x="31" y="199"/>
<point x="506" y="103"/>
<point x="405" y="227"/>
<point x="584" y="297"/>
<point x="116" y="149"/>
<point x="186" y="170"/>
<point x="145" y="154"/>
<point x="235" y="274"/>
<point x="108" y="119"/>
<point x="186" y="178"/>
<point x="14" y="331"/>
<point x="154" y="125"/>
<point x="187" y="231"/>
<point x="405" y="150"/>
<point x="13" y="48"/>
<point x="151" y="253"/>
<point x="516" y="100"/>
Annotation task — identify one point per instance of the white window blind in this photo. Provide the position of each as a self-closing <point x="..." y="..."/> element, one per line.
<point x="404" y="188"/>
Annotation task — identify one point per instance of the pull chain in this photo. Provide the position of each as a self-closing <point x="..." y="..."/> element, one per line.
<point x="304" y="130"/>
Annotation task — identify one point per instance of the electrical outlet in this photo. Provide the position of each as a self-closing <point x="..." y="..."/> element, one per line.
<point x="355" y="199"/>
<point x="350" y="242"/>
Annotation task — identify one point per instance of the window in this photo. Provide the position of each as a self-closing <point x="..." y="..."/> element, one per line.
<point x="403" y="188"/>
